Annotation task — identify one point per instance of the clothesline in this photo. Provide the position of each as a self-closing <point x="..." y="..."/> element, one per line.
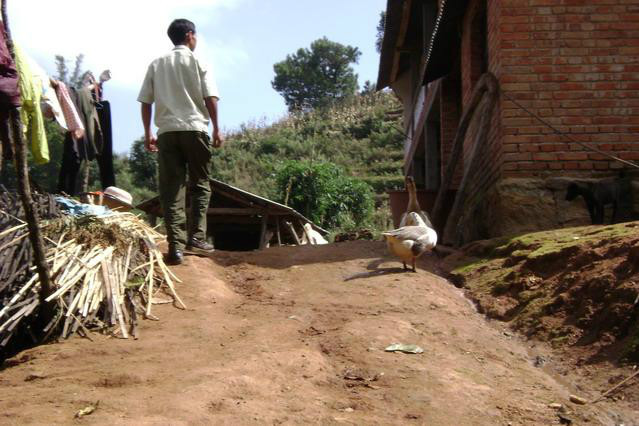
<point x="80" y="111"/>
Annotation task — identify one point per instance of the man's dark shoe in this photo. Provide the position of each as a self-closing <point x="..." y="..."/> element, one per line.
<point x="174" y="257"/>
<point x="196" y="246"/>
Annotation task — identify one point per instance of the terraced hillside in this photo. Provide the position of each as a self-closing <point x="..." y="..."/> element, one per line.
<point x="364" y="136"/>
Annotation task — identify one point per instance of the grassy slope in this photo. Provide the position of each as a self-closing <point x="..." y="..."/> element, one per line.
<point x="361" y="136"/>
<point x="572" y="287"/>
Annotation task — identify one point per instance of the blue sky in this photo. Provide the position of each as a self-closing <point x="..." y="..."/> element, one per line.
<point x="240" y="39"/>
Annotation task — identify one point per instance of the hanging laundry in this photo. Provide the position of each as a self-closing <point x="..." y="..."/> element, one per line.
<point x="71" y="116"/>
<point x="95" y="143"/>
<point x="105" y="158"/>
<point x="89" y="115"/>
<point x="78" y="152"/>
<point x="69" y="178"/>
<point x="30" y="113"/>
<point x="9" y="92"/>
<point x="49" y="104"/>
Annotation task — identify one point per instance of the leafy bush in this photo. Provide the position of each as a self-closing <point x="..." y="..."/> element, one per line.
<point x="325" y="194"/>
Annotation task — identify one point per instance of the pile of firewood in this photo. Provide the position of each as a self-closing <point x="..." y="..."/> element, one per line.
<point x="16" y="260"/>
<point x="106" y="270"/>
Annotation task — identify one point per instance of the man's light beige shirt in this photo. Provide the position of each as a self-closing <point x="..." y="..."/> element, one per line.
<point x="178" y="83"/>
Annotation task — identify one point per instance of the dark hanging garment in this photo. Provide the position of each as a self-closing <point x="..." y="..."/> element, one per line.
<point x="9" y="91"/>
<point x="105" y="158"/>
<point x="93" y="133"/>
<point x="77" y="153"/>
<point x="6" y="150"/>
<point x="69" y="179"/>
<point x="73" y="153"/>
<point x="9" y="96"/>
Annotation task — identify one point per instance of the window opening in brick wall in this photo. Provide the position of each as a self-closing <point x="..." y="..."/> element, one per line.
<point x="478" y="41"/>
<point x="432" y="154"/>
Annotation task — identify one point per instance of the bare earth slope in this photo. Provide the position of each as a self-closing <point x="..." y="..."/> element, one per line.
<point x="295" y="336"/>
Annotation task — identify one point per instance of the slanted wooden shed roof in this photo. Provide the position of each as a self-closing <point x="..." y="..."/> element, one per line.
<point x="442" y="34"/>
<point x="232" y="205"/>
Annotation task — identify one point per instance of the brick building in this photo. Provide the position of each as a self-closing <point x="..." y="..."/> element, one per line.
<point x="574" y="63"/>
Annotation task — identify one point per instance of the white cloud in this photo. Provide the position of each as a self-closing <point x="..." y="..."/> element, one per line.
<point x="121" y="35"/>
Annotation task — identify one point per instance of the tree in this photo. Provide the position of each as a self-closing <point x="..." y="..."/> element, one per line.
<point x="317" y="77"/>
<point x="143" y="166"/>
<point x="63" y="71"/>
<point x="381" y="28"/>
<point x="368" y="89"/>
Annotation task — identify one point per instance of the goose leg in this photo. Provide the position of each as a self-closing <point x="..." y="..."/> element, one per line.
<point x="414" y="269"/>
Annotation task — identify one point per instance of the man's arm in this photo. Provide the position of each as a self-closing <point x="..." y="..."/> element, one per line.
<point x="149" y="139"/>
<point x="211" y="106"/>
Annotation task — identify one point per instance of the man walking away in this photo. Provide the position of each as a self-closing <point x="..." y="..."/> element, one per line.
<point x="185" y="97"/>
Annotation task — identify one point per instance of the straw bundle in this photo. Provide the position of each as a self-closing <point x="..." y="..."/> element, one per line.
<point x="105" y="270"/>
<point x="102" y="285"/>
<point x="16" y="259"/>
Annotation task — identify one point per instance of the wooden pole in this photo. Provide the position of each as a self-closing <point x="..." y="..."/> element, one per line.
<point x="279" y="234"/>
<point x="263" y="230"/>
<point x="452" y="235"/>
<point x="291" y="229"/>
<point x="487" y="83"/>
<point x="615" y="387"/>
<point x="31" y="215"/>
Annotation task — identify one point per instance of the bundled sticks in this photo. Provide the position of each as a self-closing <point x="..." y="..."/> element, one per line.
<point x="101" y="285"/>
<point x="105" y="270"/>
<point x="18" y="300"/>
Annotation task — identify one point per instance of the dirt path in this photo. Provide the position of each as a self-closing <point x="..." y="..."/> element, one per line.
<point x="294" y="336"/>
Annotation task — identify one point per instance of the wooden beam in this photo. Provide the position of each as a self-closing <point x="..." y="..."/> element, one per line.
<point x="291" y="230"/>
<point x="488" y="85"/>
<point x="243" y="211"/>
<point x="235" y="211"/>
<point x="403" y="28"/>
<point x="233" y="197"/>
<point x="263" y="232"/>
<point x="279" y="234"/>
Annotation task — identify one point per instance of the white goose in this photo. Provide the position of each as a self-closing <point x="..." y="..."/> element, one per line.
<point x="410" y="242"/>
<point x="413" y="206"/>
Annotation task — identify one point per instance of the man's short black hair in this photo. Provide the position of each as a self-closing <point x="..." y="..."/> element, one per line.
<point x="179" y="29"/>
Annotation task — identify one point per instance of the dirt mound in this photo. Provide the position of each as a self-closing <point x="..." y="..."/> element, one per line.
<point x="575" y="287"/>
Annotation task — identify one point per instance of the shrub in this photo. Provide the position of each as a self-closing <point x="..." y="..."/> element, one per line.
<point x="325" y="194"/>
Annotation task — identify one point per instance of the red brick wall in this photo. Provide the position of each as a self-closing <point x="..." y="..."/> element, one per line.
<point x="576" y="64"/>
<point x="480" y="41"/>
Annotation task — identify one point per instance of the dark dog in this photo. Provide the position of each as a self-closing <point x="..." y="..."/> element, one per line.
<point x="610" y="191"/>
